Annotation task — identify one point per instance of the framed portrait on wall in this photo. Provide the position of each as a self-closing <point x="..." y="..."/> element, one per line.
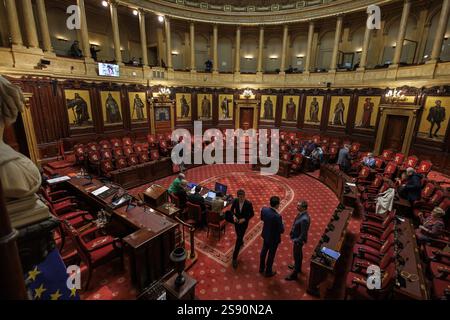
<point x="111" y="106"/>
<point x="366" y="112"/>
<point x="339" y="106"/>
<point x="226" y="103"/>
<point x="138" y="106"/>
<point x="184" y="106"/>
<point x="79" y="109"/>
<point x="204" y="106"/>
<point x="313" y="110"/>
<point x="268" y="108"/>
<point x="290" y="108"/>
<point x="434" y="121"/>
<point x="162" y="114"/>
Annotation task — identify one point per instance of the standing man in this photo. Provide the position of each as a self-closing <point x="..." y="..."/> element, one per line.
<point x="435" y="116"/>
<point x="299" y="236"/>
<point x="242" y="210"/>
<point x="344" y="158"/>
<point x="271" y="233"/>
<point x="175" y="186"/>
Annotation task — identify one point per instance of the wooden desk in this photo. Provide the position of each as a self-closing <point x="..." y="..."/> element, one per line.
<point x="321" y="268"/>
<point x="185" y="292"/>
<point x="284" y="168"/>
<point x="148" y="235"/>
<point x="409" y="261"/>
<point x="169" y="209"/>
<point x="337" y="180"/>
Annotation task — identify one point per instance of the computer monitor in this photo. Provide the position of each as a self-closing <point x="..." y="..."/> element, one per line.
<point x="211" y="195"/>
<point x="191" y="185"/>
<point x="221" y="188"/>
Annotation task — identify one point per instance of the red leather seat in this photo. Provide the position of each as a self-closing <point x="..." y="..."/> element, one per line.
<point x="126" y="141"/>
<point x="154" y="155"/>
<point x="297" y="163"/>
<point x="143" y="157"/>
<point x="435" y="254"/>
<point x="116" y="143"/>
<point x="410" y="162"/>
<point x="106" y="154"/>
<point x="133" y="159"/>
<point x="127" y="151"/>
<point x="118" y="152"/>
<point x="193" y="214"/>
<point x="369" y="253"/>
<point x="387" y="155"/>
<point x="80" y="153"/>
<point x="424" y="167"/>
<point x="399" y="158"/>
<point x="151" y="139"/>
<point x="440" y="270"/>
<point x="390" y="169"/>
<point x="373" y="240"/>
<point x="121" y="162"/>
<point x="216" y="222"/>
<point x="360" y="265"/>
<point x="441" y="289"/>
<point x="106" y="166"/>
<point x="93" y="146"/>
<point x="105" y="144"/>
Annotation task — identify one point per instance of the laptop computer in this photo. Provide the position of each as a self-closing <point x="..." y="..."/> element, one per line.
<point x="221" y="188"/>
<point x="210" y="196"/>
<point x="191" y="186"/>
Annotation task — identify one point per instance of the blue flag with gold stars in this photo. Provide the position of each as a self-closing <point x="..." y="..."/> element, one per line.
<point x="48" y="280"/>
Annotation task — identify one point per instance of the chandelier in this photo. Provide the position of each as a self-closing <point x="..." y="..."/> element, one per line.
<point x="247" y="93"/>
<point x="164" y="91"/>
<point x="394" y="96"/>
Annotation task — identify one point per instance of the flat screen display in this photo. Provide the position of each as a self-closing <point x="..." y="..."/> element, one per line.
<point x="108" y="70"/>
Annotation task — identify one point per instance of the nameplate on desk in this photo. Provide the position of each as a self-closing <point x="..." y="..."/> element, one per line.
<point x="350" y="184"/>
<point x="57" y="180"/>
<point x="330" y="253"/>
<point x="99" y="191"/>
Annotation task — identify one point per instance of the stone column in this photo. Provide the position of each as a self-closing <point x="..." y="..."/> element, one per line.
<point x="401" y="34"/>
<point x="215" y="49"/>
<point x="13" y="23"/>
<point x="192" y="42"/>
<point x="115" y="29"/>
<point x="365" y="48"/>
<point x="260" y="50"/>
<point x="337" y="38"/>
<point x="85" y="47"/>
<point x="309" y="47"/>
<point x="284" y="48"/>
<point x="440" y="32"/>
<point x="237" y="63"/>
<point x="43" y="24"/>
<point x="30" y="24"/>
<point x="168" y="43"/>
<point x="143" y="37"/>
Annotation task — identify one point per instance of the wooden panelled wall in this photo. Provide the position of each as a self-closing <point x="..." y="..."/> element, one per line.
<point x="52" y="125"/>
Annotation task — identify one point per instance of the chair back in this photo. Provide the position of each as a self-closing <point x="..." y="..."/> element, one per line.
<point x="143" y="157"/>
<point x="194" y="211"/>
<point x="80" y="152"/>
<point x="94" y="156"/>
<point x="364" y="172"/>
<point x="174" y="199"/>
<point x="390" y="169"/>
<point x="106" y="154"/>
<point x="286" y="156"/>
<point x="213" y="218"/>
<point x="154" y="155"/>
<point x="105" y="144"/>
<point x="424" y="167"/>
<point x="355" y="147"/>
<point x="316" y="139"/>
<point x="121" y="162"/>
<point x="126" y="141"/>
<point x="428" y="190"/>
<point x="116" y="143"/>
<point x="378" y="181"/>
<point x="93" y="146"/>
<point x="118" y="152"/>
<point x="387" y="155"/>
<point x="379" y="163"/>
<point x="437" y="197"/>
<point x="106" y="166"/>
<point x="411" y="161"/>
<point x="151" y="139"/>
<point x="399" y="158"/>
<point x="133" y="159"/>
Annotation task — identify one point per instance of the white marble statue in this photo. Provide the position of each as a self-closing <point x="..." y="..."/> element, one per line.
<point x="19" y="175"/>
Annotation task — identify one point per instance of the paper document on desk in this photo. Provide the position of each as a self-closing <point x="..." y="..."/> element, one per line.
<point x="351" y="184"/>
<point x="330" y="253"/>
<point x="57" y="180"/>
<point x="100" y="190"/>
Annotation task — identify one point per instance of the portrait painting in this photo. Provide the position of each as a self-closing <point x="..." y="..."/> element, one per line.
<point x="226" y="103"/>
<point x="434" y="120"/>
<point x="138" y="106"/>
<point x="366" y="112"/>
<point x="111" y="106"/>
<point x="204" y="106"/>
<point x="290" y="108"/>
<point x="79" y="110"/>
<point x="184" y="106"/>
<point x="313" y="110"/>
<point x="268" y="107"/>
<point x="162" y="114"/>
<point x="339" y="106"/>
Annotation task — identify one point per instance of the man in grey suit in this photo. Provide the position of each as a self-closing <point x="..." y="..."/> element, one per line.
<point x="344" y="158"/>
<point x="299" y="236"/>
<point x="271" y="233"/>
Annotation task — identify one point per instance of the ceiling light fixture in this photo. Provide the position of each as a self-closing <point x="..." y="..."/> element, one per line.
<point x="105" y="3"/>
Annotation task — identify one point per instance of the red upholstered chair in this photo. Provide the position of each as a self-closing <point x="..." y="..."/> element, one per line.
<point x="94" y="157"/>
<point x="127" y="150"/>
<point x="424" y="167"/>
<point x="332" y="153"/>
<point x="441" y="289"/>
<point x="379" y="163"/>
<point x="426" y="205"/>
<point x="356" y="285"/>
<point x="354" y="148"/>
<point x="363" y="176"/>
<point x="143" y="157"/>
<point x="399" y="158"/>
<point x="324" y="148"/>
<point x="374" y="186"/>
<point x="193" y="214"/>
<point x="160" y="137"/>
<point x="139" y="147"/>
<point x="118" y="152"/>
<point x="93" y="146"/>
<point x="154" y="155"/>
<point x="133" y="159"/>
<point x="216" y="222"/>
<point x="284" y="148"/>
<point x="371" y="254"/>
<point x="411" y="161"/>
<point x="105" y="144"/>
<point x="387" y="155"/>
<point x="116" y="143"/>
<point x="390" y="170"/>
<point x="283" y="135"/>
<point x="95" y="249"/>
<point x="377" y="223"/>
<point x="440" y="270"/>
<point x="292" y="135"/>
<point x="175" y="200"/>
<point x="126" y="141"/>
<point x="61" y="197"/>
<point x="286" y="157"/>
<point x="121" y="162"/>
<point x="80" y="153"/>
<point x="151" y="139"/>
<point x="168" y="136"/>
<point x="316" y="139"/>
<point x="360" y="265"/>
<point x="297" y="163"/>
<point x="325" y="141"/>
<point x="106" y="154"/>
<point x="436" y="254"/>
<point x="374" y="239"/>
<point x="427" y="191"/>
<point x="106" y="166"/>
<point x="164" y="148"/>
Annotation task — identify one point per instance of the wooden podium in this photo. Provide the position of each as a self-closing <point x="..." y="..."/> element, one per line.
<point x="185" y="292"/>
<point x="155" y="196"/>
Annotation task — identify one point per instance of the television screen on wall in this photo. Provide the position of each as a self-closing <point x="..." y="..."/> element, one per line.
<point x="108" y="70"/>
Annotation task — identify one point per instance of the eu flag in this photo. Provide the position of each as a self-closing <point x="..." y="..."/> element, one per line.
<point x="48" y="280"/>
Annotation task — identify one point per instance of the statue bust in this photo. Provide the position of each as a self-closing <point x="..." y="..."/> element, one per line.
<point x="19" y="175"/>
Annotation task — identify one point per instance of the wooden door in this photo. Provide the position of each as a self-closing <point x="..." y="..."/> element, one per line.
<point x="246" y="118"/>
<point x="394" y="132"/>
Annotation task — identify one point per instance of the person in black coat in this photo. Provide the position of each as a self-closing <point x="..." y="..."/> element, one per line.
<point x="412" y="189"/>
<point x="299" y="236"/>
<point x="242" y="210"/>
<point x="271" y="233"/>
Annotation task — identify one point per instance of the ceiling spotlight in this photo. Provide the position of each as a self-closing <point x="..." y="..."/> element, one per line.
<point x="135" y="12"/>
<point x="105" y="3"/>
<point x="161" y="18"/>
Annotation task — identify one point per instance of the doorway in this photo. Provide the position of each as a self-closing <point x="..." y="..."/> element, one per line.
<point x="394" y="132"/>
<point x="246" y="118"/>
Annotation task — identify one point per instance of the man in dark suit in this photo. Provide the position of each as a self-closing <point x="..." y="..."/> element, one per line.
<point x="242" y="211"/>
<point x="271" y="233"/>
<point x="197" y="199"/>
<point x="182" y="194"/>
<point x="299" y="236"/>
<point x="412" y="189"/>
<point x="344" y="159"/>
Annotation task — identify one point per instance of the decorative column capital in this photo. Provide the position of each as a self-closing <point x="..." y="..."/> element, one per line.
<point x="113" y="3"/>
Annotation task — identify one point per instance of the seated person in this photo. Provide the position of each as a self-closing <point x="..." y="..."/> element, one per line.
<point x="369" y="161"/>
<point x="412" y="188"/>
<point x="309" y="148"/>
<point x="317" y="157"/>
<point x="385" y="200"/>
<point x="217" y="204"/>
<point x="197" y="199"/>
<point x="182" y="194"/>
<point x="176" y="184"/>
<point x="432" y="226"/>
